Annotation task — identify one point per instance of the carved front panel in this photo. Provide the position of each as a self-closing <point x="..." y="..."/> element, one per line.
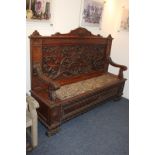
<point x="65" y="61"/>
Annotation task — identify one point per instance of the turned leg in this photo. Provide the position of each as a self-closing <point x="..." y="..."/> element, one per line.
<point x="119" y="93"/>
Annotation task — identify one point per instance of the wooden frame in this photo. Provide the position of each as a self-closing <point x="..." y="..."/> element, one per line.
<point x="63" y="59"/>
<point x="38" y="10"/>
<point x="92" y="11"/>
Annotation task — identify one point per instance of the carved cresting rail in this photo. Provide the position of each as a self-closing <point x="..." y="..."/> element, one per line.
<point x="69" y="74"/>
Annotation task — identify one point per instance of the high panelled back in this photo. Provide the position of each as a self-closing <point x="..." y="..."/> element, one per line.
<point x="73" y="55"/>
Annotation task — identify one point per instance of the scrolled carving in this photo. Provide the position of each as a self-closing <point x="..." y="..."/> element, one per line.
<point x="109" y="37"/>
<point x="35" y="34"/>
<point x="65" y="61"/>
<point x="80" y="32"/>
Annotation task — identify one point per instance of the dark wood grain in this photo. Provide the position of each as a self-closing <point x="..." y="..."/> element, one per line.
<point x="62" y="59"/>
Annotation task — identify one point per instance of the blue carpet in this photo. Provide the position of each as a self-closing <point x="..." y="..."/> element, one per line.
<point x="101" y="131"/>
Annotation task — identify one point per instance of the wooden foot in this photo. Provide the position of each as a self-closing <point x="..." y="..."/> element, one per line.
<point x="117" y="98"/>
<point x="51" y="132"/>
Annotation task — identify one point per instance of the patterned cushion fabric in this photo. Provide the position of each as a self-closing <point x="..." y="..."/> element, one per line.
<point x="80" y="87"/>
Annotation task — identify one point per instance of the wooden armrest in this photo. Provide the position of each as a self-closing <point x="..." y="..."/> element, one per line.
<point x="122" y="67"/>
<point x="117" y="65"/>
<point x="52" y="85"/>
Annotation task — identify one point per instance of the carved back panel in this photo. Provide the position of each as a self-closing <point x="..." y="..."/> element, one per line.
<point x="69" y="55"/>
<point x="72" y="60"/>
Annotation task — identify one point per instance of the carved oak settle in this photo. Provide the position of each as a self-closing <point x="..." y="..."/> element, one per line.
<point x="69" y="74"/>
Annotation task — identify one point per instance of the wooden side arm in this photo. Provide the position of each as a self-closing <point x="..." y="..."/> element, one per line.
<point x="122" y="67"/>
<point x="52" y="85"/>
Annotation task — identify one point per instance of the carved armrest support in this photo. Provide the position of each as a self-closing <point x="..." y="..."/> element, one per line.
<point x="122" y="67"/>
<point x="52" y="85"/>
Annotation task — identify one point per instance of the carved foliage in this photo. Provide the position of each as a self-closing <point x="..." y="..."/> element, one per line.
<point x="65" y="61"/>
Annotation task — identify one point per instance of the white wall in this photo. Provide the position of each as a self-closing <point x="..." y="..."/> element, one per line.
<point x="66" y="16"/>
<point x="120" y="45"/>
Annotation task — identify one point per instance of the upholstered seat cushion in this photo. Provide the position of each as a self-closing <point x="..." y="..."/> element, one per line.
<point x="71" y="90"/>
